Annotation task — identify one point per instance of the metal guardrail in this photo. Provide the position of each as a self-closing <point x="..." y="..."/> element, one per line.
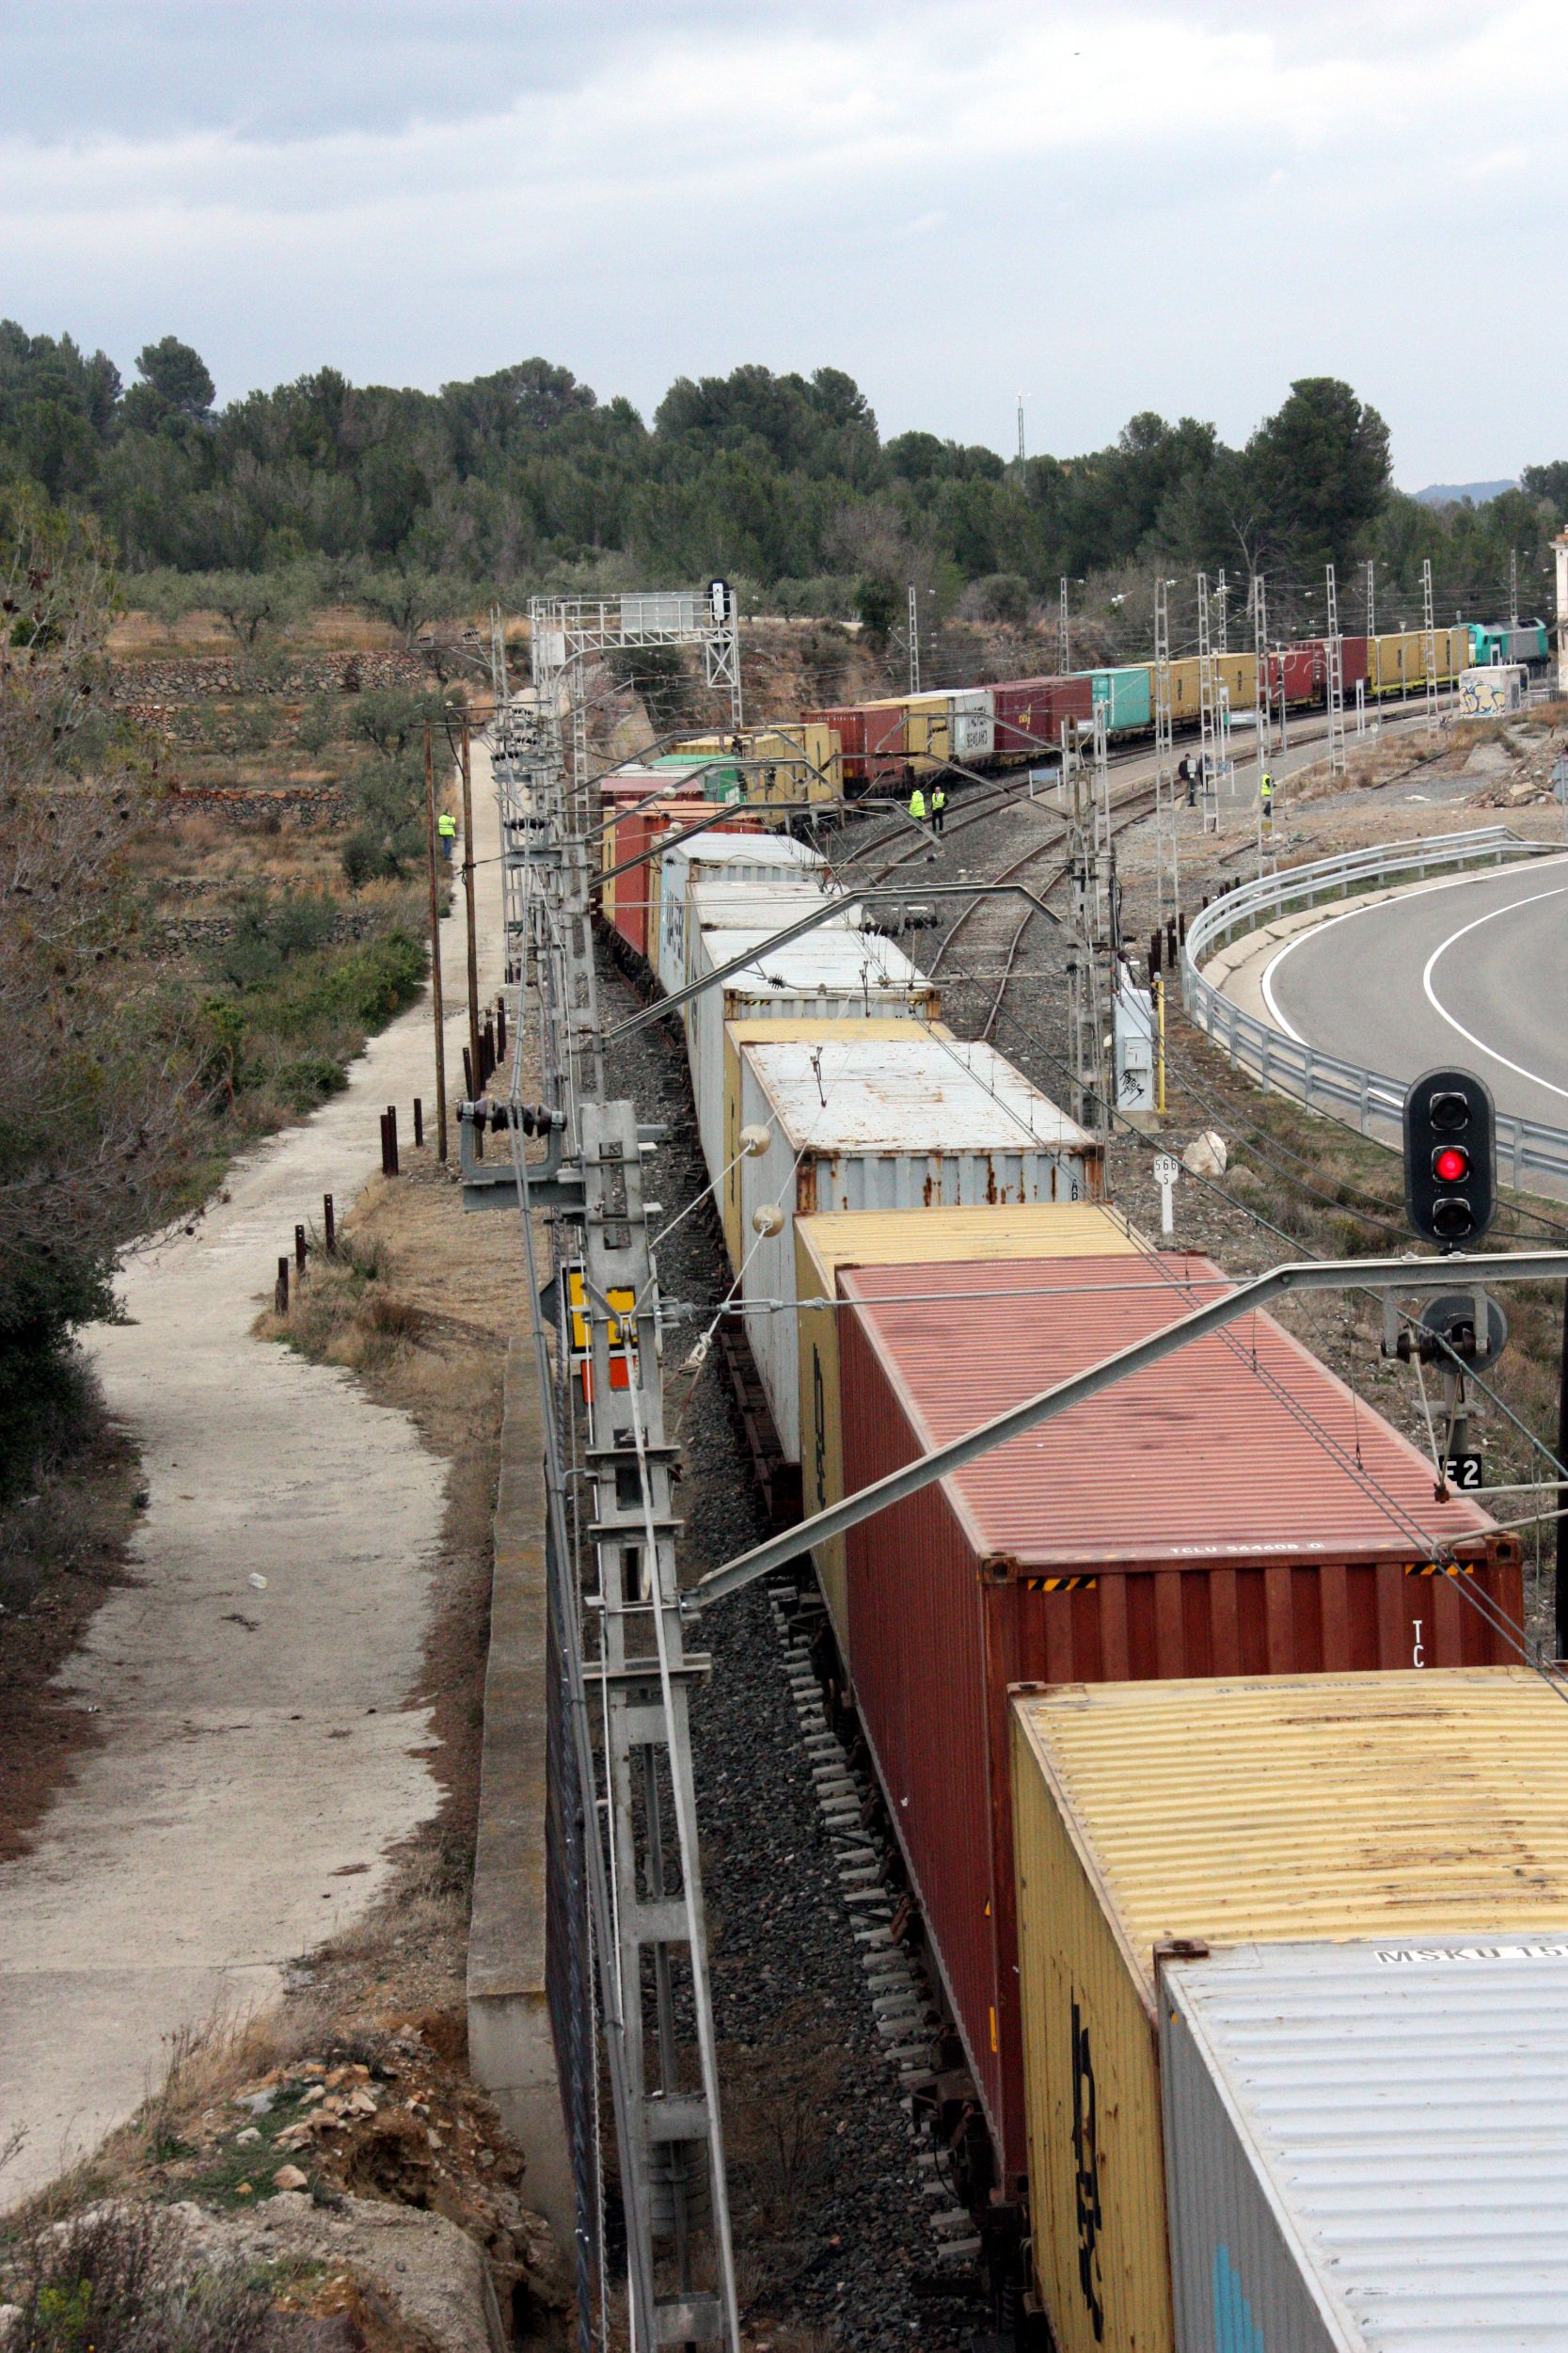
<point x="1363" y="1099"/>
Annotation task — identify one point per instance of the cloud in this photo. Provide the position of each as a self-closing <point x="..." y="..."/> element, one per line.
<point x="1141" y="205"/>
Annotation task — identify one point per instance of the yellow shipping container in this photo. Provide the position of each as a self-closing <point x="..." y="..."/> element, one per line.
<point x="1236" y="673"/>
<point x="907" y="1237"/>
<point x="1290" y="1808"/>
<point x="738" y="1033"/>
<point x="809" y="763"/>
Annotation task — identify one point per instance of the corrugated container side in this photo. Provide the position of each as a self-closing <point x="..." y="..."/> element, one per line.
<point x="914" y="1238"/>
<point x="1105" y="1548"/>
<point x="764" y="864"/>
<point x="1029" y="714"/>
<point x="738" y="1035"/>
<point x="1097" y="2199"/>
<point x="1238" y="2275"/>
<point x="860" y="976"/>
<point x="1126" y="694"/>
<point x="1292" y="675"/>
<point x="862" y="1126"/>
<point x="630" y="833"/>
<point x="1364" y="2143"/>
<point x="1325" y="1807"/>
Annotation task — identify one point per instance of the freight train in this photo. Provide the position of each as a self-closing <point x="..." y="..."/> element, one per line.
<point x="857" y="748"/>
<point x="1192" y="1699"/>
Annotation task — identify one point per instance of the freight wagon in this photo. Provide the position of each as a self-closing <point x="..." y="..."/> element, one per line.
<point x="907" y="1119"/>
<point x="1234" y="1509"/>
<point x="1502" y="642"/>
<point x="803" y="760"/>
<point x="737" y="861"/>
<point x="632" y="827"/>
<point x="834" y="974"/>
<point x="871" y="741"/>
<point x="948" y="726"/>
<point x="1235" y="675"/>
<point x="911" y="1238"/>
<point x="1030" y="714"/>
<point x="1156" y="1823"/>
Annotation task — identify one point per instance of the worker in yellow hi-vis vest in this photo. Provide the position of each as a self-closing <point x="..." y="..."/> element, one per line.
<point x="1265" y="800"/>
<point x="917" y="806"/>
<point x="445" y="829"/>
<point x="939" y="808"/>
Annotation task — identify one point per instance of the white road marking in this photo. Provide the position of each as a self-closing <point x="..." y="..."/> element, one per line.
<point x="1469" y="1035"/>
<point x="1373" y="907"/>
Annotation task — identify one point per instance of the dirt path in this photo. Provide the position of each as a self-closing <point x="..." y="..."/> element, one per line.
<point x="258" y="1759"/>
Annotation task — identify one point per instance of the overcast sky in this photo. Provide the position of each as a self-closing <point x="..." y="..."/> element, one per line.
<point x="1179" y="205"/>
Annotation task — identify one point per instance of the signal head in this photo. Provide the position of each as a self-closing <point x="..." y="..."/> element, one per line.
<point x="1450" y="1189"/>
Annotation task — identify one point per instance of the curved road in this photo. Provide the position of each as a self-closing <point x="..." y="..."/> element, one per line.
<point x="1473" y="972"/>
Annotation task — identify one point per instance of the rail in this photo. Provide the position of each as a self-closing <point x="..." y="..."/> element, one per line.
<point x="1364" y="1098"/>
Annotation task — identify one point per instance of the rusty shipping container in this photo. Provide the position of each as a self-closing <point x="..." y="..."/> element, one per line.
<point x="1232" y="1510"/>
<point x="871" y="741"/>
<point x="913" y="1238"/>
<point x="1159" y="1819"/>
<point x="630" y="831"/>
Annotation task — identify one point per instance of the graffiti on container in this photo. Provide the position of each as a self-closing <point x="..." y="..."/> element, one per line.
<point x="1235" y="2330"/>
<point x="1086" y="2154"/>
<point x="819" y="1418"/>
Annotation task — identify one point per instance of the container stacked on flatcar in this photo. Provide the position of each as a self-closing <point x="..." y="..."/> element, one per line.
<point x="1284" y="1948"/>
<point x="637" y="814"/>
<point x="1233" y="1509"/>
<point x="799" y="761"/>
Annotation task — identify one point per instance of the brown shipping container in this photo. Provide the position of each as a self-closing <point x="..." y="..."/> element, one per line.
<point x="871" y="739"/>
<point x="1030" y="711"/>
<point x="632" y="829"/>
<point x="1233" y="1510"/>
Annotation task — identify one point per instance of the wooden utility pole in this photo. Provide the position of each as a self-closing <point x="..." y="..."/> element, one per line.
<point x="469" y="895"/>
<point x="437" y="1006"/>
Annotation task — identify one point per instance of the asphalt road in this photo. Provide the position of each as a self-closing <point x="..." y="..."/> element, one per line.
<point x="1473" y="972"/>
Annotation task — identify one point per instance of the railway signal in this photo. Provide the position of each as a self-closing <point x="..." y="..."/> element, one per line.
<point x="1450" y="1175"/>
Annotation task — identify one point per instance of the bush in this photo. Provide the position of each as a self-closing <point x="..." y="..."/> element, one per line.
<point x="1003" y="596"/>
<point x="309" y="1080"/>
<point x="124" y="2279"/>
<point x="269" y="933"/>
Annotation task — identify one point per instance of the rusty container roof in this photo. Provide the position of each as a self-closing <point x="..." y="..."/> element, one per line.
<point x="1241" y="1446"/>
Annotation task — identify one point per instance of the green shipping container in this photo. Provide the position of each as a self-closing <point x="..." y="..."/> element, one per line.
<point x="715" y="782"/>
<point x="1126" y="695"/>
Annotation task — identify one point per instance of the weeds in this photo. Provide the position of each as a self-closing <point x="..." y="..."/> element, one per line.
<point x="126" y="2278"/>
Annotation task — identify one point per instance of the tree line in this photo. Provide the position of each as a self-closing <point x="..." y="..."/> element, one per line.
<point x="526" y="479"/>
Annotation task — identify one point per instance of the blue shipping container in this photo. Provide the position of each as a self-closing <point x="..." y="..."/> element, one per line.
<point x="1126" y="696"/>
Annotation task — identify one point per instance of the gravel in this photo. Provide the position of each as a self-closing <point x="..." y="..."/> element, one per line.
<point x="832" y="2220"/>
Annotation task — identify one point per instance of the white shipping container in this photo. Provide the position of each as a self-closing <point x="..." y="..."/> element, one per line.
<point x="835" y="973"/>
<point x="1493" y="691"/>
<point x="887" y="1124"/>
<point x="1365" y="2145"/>
<point x="735" y="858"/>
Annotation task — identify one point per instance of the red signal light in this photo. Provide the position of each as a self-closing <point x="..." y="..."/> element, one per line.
<point x="1450" y="1165"/>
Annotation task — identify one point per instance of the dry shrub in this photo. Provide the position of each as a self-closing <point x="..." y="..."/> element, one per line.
<point x="125" y="2279"/>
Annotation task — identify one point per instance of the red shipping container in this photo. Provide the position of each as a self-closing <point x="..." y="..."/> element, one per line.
<point x="1233" y="1510"/>
<point x="630" y="832"/>
<point x="1294" y="670"/>
<point x="1353" y="663"/>
<point x="1030" y="711"/>
<point x="871" y="741"/>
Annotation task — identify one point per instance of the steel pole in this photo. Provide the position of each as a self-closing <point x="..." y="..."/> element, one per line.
<point x="469" y="896"/>
<point x="437" y="1005"/>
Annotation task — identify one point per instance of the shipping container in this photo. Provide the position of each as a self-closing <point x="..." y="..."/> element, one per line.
<point x="1235" y="675"/>
<point x="772" y="858"/>
<point x="835" y="973"/>
<point x="1493" y="691"/>
<point x="633" y="829"/>
<point x="1294" y="677"/>
<point x="910" y="1121"/>
<point x="949" y="724"/>
<point x="1365" y="2145"/>
<point x="1396" y="665"/>
<point x="1151" y="1817"/>
<point x="803" y="760"/>
<point x="738" y="1036"/>
<point x="1233" y="1509"/>
<point x="1030" y="714"/>
<point x="871" y="741"/>
<point x="911" y="1238"/>
<point x="1125" y="695"/>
